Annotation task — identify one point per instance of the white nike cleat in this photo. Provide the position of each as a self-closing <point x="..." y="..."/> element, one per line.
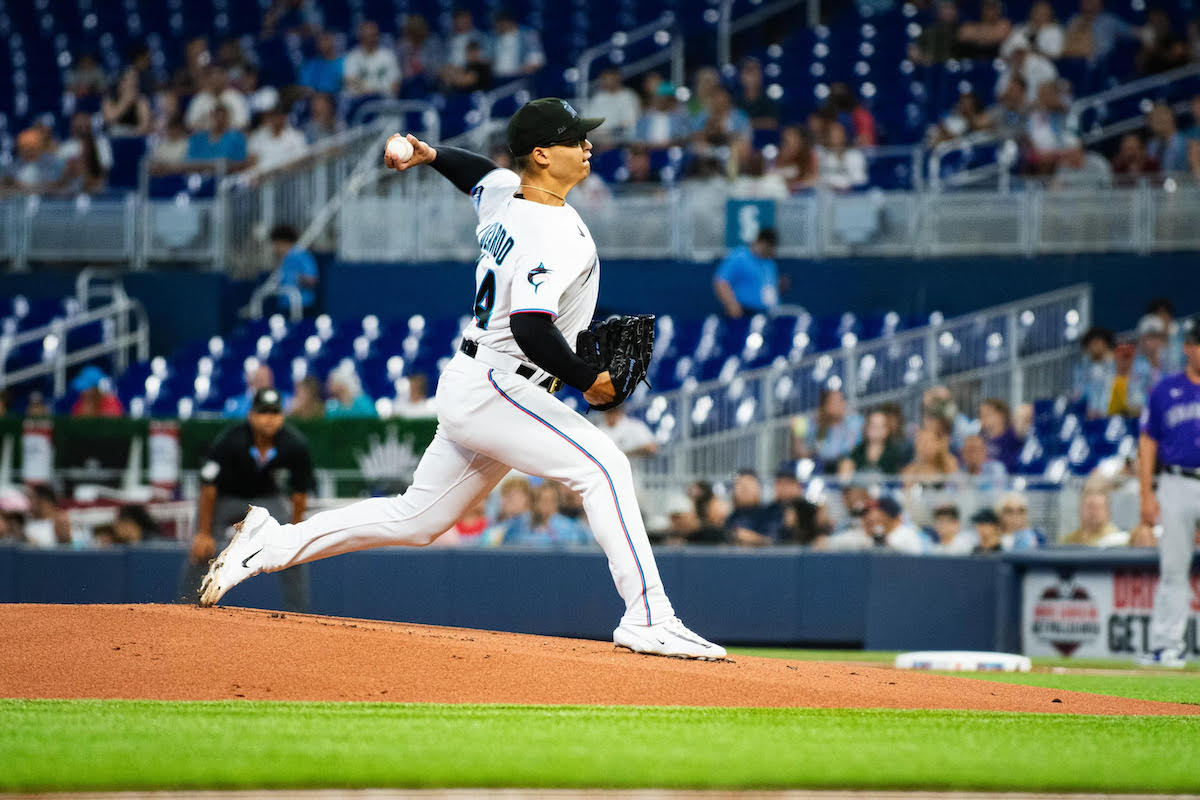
<point x="1163" y="657"/>
<point x="235" y="564"/>
<point x="670" y="638"/>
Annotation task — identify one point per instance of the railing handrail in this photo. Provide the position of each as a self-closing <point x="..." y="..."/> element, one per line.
<point x="342" y="140"/>
<point x="620" y="40"/>
<point x="1133" y="87"/>
<point x="902" y="337"/>
<point x="727" y="26"/>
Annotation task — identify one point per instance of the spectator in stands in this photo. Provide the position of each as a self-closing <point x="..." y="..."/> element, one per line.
<point x="1193" y="159"/>
<point x="1193" y="130"/>
<point x="1078" y="169"/>
<point x="761" y="110"/>
<point x="639" y="171"/>
<point x="323" y="120"/>
<point x="718" y="126"/>
<point x="713" y="512"/>
<point x="418" y="404"/>
<point x="219" y="143"/>
<point x="1096" y="371"/>
<point x="48" y="524"/>
<point x="932" y="462"/>
<point x="797" y="163"/>
<point x="1047" y="130"/>
<point x="516" y="498"/>
<point x="1036" y="70"/>
<point x="86" y="82"/>
<point x="789" y="518"/>
<point x="619" y="106"/>
<point x="190" y="77"/>
<point x="36" y="406"/>
<point x="748" y="174"/>
<point x="260" y="98"/>
<point x="995" y="425"/>
<point x="967" y="116"/>
<point x="475" y="76"/>
<point x="36" y="169"/>
<point x="215" y="92"/>
<point x="307" y="403"/>
<point x="663" y="123"/>
<point x="420" y="54"/>
<point x="938" y="42"/>
<point x="171" y="151"/>
<point x="747" y="281"/>
<point x="370" y="69"/>
<point x="1162" y="49"/>
<point x="87" y="157"/>
<point x="1149" y="364"/>
<point x="126" y="110"/>
<point x="1041" y="33"/>
<point x="299" y="17"/>
<point x="631" y="436"/>
<point x="516" y="50"/>
<point x="883" y="527"/>
<point x="296" y="266"/>
<point x="828" y="434"/>
<point x="947" y="527"/>
<point x="1015" y="530"/>
<point x="1167" y="145"/>
<point x="938" y="403"/>
<point x="462" y="33"/>
<point x="135" y="525"/>
<point x="1008" y="117"/>
<point x="1093" y="32"/>
<point x="987" y="533"/>
<point x="985" y="473"/>
<point x="897" y="432"/>
<point x="1164" y="309"/>
<point x="469" y="528"/>
<point x="4" y="403"/>
<point x="543" y="525"/>
<point x="877" y="452"/>
<point x="275" y="141"/>
<point x="842" y="167"/>
<point x="982" y="39"/>
<point x="1132" y="162"/>
<point x="231" y="58"/>
<point x="844" y="107"/>
<point x="346" y="396"/>
<point x="322" y="73"/>
<point x="744" y="525"/>
<point x="682" y="519"/>
<point x="96" y="398"/>
<point x="140" y="61"/>
<point x="1096" y="528"/>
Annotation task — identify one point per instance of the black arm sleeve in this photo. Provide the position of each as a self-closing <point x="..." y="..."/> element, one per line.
<point x="540" y="340"/>
<point x="462" y="167"/>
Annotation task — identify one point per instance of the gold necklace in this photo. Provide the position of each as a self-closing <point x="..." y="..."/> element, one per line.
<point x="540" y="189"/>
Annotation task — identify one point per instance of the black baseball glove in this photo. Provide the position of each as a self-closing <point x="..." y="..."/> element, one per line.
<point x="623" y="346"/>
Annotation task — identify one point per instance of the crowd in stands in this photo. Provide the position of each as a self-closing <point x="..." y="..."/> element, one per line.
<point x="212" y="111"/>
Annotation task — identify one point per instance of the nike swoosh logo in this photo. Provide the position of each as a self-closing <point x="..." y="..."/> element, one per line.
<point x="246" y="565"/>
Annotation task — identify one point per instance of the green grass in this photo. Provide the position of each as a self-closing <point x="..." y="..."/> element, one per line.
<point x="888" y="656"/>
<point x="86" y="744"/>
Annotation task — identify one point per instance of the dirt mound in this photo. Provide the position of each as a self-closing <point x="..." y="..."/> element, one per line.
<point x="188" y="653"/>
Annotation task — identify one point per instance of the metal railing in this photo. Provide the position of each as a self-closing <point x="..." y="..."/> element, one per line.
<point x="431" y="222"/>
<point x="124" y="324"/>
<point x="672" y="52"/>
<point x="1018" y="352"/>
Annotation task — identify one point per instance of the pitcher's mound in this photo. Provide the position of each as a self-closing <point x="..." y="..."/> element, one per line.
<point x="187" y="653"/>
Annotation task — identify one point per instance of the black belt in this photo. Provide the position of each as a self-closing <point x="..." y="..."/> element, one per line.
<point x="551" y="384"/>
<point x="1183" y="472"/>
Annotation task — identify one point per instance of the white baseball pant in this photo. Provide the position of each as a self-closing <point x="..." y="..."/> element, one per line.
<point x="1179" y="499"/>
<point x="488" y="422"/>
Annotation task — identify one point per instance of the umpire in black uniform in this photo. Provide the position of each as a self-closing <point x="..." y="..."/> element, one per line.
<point x="248" y="465"/>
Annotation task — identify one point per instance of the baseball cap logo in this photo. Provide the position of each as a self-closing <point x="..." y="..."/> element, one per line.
<point x="568" y="108"/>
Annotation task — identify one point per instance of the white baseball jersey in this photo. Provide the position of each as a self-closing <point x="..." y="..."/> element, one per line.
<point x="533" y="257"/>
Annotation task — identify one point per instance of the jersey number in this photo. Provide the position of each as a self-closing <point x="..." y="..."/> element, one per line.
<point x="485" y="298"/>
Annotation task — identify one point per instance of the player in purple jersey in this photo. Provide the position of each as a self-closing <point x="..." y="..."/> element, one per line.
<point x="1170" y="446"/>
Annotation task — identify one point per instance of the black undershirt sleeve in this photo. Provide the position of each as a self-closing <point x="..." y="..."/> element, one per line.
<point x="541" y="341"/>
<point x="462" y="167"/>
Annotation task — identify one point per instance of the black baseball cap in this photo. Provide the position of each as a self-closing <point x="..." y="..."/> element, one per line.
<point x="985" y="516"/>
<point x="267" y="401"/>
<point x="545" y="122"/>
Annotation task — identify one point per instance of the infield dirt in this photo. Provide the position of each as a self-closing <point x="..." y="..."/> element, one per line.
<point x="186" y="653"/>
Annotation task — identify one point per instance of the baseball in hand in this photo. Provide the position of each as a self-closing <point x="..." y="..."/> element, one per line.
<point x="400" y="149"/>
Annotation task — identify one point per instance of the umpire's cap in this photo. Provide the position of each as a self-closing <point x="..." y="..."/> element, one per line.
<point x="545" y="122"/>
<point x="267" y="401"/>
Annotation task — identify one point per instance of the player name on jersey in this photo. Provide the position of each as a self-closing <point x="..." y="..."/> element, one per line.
<point x="494" y="240"/>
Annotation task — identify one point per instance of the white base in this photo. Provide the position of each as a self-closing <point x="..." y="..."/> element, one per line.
<point x="963" y="661"/>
